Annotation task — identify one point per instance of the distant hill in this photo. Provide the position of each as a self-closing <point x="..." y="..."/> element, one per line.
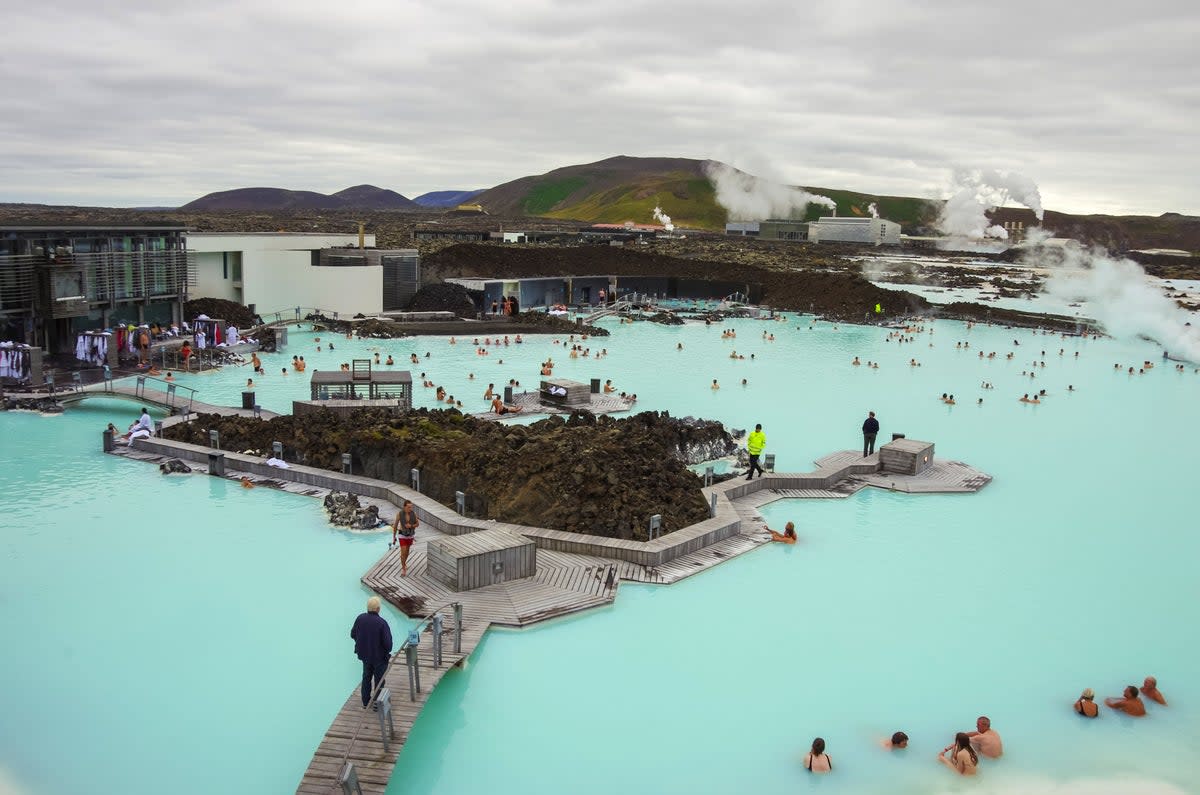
<point x="359" y="197"/>
<point x="446" y="198"/>
<point x="369" y="197"/>
<point x="623" y="189"/>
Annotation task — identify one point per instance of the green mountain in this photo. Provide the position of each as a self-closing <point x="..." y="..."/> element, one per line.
<point x="622" y="189"/>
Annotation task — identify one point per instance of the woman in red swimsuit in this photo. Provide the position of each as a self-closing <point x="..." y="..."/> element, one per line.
<point x="404" y="530"/>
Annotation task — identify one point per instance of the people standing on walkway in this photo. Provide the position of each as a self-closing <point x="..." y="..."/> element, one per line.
<point x="404" y="530"/>
<point x="755" y="443"/>
<point x="870" y="429"/>
<point x="373" y="644"/>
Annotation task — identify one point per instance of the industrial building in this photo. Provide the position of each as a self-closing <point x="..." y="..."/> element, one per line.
<point x="782" y="230"/>
<point x="58" y="281"/>
<point x="742" y="228"/>
<point x="831" y="229"/>
<point x="876" y="231"/>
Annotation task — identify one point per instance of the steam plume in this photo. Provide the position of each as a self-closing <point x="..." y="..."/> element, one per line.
<point x="965" y="213"/>
<point x="873" y="209"/>
<point x="1120" y="297"/>
<point x="748" y="198"/>
<point x="663" y="219"/>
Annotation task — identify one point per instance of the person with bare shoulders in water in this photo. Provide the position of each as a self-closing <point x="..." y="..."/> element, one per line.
<point x="960" y="756"/>
<point x="1150" y="691"/>
<point x="1130" y="703"/>
<point x="816" y="760"/>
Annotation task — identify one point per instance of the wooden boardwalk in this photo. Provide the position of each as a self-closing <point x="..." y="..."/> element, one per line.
<point x="565" y="583"/>
<point x="160" y="398"/>
<point x="355" y="734"/>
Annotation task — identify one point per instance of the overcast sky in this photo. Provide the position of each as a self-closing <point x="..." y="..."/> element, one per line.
<point x="126" y="103"/>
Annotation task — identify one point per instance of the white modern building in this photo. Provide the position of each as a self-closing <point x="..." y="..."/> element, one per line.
<point x="275" y="271"/>
<point x="854" y="230"/>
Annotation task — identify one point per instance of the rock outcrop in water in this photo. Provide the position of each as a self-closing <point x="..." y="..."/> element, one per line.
<point x="346" y="511"/>
<point x="174" y="466"/>
<point x="584" y="474"/>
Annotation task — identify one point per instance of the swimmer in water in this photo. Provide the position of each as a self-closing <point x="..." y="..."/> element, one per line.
<point x="960" y="756"/>
<point x="715" y="385"/>
<point x="1150" y="691"/>
<point x="788" y="536"/>
<point x="1130" y="704"/>
<point x="247" y="483"/>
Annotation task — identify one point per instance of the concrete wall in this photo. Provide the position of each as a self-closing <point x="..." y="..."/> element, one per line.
<point x="277" y="272"/>
<point x="212" y="280"/>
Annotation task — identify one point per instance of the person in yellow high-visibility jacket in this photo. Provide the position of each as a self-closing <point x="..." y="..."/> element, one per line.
<point x="755" y="443"/>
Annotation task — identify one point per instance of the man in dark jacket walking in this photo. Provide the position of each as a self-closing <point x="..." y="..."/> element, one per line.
<point x="373" y="644"/>
<point x="870" y="428"/>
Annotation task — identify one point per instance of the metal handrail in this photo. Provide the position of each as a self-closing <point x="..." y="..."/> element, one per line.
<point x="409" y="652"/>
<point x="292" y="314"/>
<point x="170" y="389"/>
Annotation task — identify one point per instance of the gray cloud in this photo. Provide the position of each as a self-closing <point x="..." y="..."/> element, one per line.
<point x="126" y="104"/>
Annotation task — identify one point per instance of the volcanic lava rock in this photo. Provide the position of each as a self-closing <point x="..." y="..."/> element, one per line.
<point x="346" y="511"/>
<point x="583" y="474"/>
<point x="447" y="298"/>
<point x="173" y="466"/>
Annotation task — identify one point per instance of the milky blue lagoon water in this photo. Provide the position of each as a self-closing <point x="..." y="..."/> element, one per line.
<point x="1073" y="568"/>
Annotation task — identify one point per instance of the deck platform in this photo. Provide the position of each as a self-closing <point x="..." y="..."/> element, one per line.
<point x="531" y="403"/>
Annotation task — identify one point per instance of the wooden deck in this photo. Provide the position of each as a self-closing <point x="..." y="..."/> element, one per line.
<point x="355" y="734"/>
<point x="531" y="403"/>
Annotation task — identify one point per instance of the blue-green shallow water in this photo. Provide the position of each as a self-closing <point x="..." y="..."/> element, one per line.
<point x="175" y="634"/>
<point x="1072" y="569"/>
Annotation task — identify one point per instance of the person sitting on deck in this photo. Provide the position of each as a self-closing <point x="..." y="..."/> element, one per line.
<point x="788" y="536"/>
<point x="141" y="428"/>
<point x="500" y="407"/>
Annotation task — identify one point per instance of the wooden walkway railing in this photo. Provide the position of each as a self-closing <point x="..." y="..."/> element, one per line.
<point x="361" y="747"/>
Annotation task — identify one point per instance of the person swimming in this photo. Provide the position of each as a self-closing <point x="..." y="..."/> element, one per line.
<point x="1086" y="705"/>
<point x="960" y="756"/>
<point x="788" y="536"/>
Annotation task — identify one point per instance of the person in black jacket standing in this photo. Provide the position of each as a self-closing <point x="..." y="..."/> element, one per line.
<point x="373" y="644"/>
<point x="870" y="428"/>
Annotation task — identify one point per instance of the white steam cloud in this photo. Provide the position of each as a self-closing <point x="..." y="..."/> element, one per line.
<point x="1119" y="296"/>
<point x="873" y="209"/>
<point x="964" y="216"/>
<point x="748" y="198"/>
<point x="663" y="219"/>
<point x="1030" y="785"/>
